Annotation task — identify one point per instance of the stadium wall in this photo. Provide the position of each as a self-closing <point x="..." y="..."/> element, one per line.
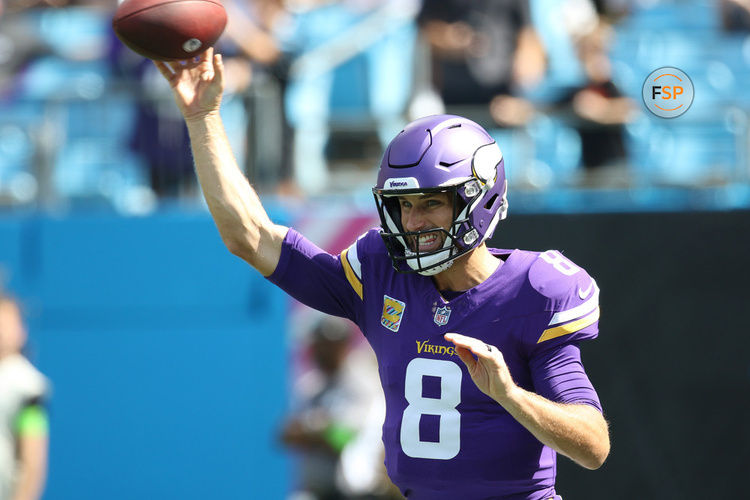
<point x="672" y="361"/>
<point x="166" y="354"/>
<point x="169" y="366"/>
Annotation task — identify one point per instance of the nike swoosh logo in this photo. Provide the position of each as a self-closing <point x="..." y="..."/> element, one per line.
<point x="585" y="293"/>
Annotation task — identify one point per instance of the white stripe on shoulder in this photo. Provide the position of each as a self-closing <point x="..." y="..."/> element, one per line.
<point x="353" y="259"/>
<point x="578" y="311"/>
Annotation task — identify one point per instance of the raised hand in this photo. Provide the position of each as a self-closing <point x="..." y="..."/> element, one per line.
<point x="488" y="370"/>
<point x="197" y="84"/>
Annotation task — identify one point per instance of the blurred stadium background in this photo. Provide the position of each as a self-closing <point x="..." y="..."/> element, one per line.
<point x="170" y="359"/>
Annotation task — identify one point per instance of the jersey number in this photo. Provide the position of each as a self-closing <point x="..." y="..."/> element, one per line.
<point x="559" y="262"/>
<point x="449" y="440"/>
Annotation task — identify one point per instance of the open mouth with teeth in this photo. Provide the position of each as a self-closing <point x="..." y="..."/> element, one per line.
<point x="427" y="242"/>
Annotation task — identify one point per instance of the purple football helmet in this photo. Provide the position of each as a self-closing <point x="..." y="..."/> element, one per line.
<point x="441" y="153"/>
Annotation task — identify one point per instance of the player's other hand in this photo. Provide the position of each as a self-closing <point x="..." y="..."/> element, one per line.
<point x="486" y="366"/>
<point x="197" y="83"/>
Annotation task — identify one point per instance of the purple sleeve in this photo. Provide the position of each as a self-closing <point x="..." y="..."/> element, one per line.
<point x="559" y="376"/>
<point x="315" y="278"/>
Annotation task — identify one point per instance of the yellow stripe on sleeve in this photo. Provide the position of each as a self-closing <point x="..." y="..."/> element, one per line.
<point x="573" y="326"/>
<point x="350" y="274"/>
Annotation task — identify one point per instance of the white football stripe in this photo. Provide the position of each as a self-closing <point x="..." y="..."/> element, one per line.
<point x="578" y="311"/>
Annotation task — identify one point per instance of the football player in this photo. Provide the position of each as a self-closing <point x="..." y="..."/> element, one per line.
<point x="477" y="347"/>
<point x="23" y="417"/>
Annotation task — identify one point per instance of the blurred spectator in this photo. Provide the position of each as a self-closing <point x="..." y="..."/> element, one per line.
<point x="25" y="36"/>
<point x="278" y="54"/>
<point x="23" y="418"/>
<point x="598" y="111"/>
<point x="159" y="136"/>
<point x="735" y="15"/>
<point x="255" y="31"/>
<point x="20" y="42"/>
<point x="481" y="50"/>
<point x="252" y="25"/>
<point x="614" y="10"/>
<point x="52" y="68"/>
<point x="335" y="423"/>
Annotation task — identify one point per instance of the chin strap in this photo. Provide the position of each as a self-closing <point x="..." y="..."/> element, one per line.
<point x="437" y="269"/>
<point x="414" y="262"/>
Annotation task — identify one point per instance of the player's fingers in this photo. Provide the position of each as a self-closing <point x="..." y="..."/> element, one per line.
<point x="466" y="357"/>
<point x="491" y="356"/>
<point x="206" y="64"/>
<point x="456" y="338"/>
<point x="474" y="345"/>
<point x="459" y="340"/>
<point x="219" y="70"/>
<point x="195" y="62"/>
<point x="165" y="70"/>
<point x="160" y="66"/>
<point x="174" y="66"/>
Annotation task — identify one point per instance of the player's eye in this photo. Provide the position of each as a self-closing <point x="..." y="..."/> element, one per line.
<point x="405" y="204"/>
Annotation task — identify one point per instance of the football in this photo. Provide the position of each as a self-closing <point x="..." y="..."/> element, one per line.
<point x="169" y="30"/>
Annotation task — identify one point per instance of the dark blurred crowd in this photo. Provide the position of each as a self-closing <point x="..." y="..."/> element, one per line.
<point x="315" y="89"/>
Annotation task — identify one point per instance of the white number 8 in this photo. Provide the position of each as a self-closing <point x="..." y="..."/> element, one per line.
<point x="449" y="441"/>
<point x="559" y="262"/>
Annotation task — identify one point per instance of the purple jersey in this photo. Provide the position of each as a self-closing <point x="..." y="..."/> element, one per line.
<point x="444" y="438"/>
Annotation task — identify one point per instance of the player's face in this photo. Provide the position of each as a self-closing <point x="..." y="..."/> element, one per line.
<point x="12" y="332"/>
<point x="421" y="212"/>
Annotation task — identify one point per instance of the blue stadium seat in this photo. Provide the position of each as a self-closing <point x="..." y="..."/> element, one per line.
<point x="53" y="77"/>
<point x="95" y="162"/>
<point x="75" y="32"/>
<point x="375" y="81"/>
<point x="366" y="90"/>
<point x="701" y="147"/>
<point x="16" y="153"/>
<point x="543" y="155"/>
<point x="690" y="16"/>
<point x="558" y="146"/>
<point x="683" y="153"/>
<point x="20" y="124"/>
<point x="564" y="68"/>
<point x="515" y="155"/>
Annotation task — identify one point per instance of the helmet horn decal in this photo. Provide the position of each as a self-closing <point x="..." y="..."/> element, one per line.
<point x="484" y="164"/>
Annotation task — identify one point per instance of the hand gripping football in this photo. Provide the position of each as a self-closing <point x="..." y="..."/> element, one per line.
<point x="169" y="30"/>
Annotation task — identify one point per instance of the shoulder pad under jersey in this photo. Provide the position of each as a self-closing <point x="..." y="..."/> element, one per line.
<point x="357" y="253"/>
<point x="570" y="295"/>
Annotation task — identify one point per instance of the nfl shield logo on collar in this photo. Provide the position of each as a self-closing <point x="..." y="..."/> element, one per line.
<point x="441" y="316"/>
